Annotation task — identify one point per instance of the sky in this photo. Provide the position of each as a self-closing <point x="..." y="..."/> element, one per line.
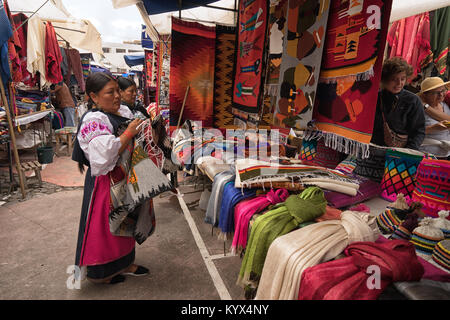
<point x="114" y="25"/>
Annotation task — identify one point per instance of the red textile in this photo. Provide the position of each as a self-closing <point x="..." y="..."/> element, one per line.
<point x="250" y="61"/>
<point x="409" y="38"/>
<point x="99" y="245"/>
<point x="14" y="46"/>
<point x="53" y="57"/>
<point x="346" y="279"/>
<point x="18" y="19"/>
<point x="75" y="67"/>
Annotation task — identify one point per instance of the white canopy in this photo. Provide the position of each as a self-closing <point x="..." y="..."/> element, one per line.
<point x="78" y="33"/>
<point x="162" y="22"/>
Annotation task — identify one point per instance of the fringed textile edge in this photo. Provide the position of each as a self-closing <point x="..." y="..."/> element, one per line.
<point x="340" y="143"/>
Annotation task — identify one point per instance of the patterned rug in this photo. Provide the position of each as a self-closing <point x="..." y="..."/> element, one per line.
<point x="301" y="61"/>
<point x="223" y="75"/>
<point x="350" y="73"/>
<point x="249" y="68"/>
<point x="433" y="186"/>
<point x="192" y="64"/>
<point x="399" y="174"/>
<point x="277" y="30"/>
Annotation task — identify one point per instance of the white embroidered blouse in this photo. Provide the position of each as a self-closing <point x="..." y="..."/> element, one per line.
<point x="98" y="142"/>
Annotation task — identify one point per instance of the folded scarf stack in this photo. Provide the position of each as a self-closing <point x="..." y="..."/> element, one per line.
<point x="215" y="200"/>
<point x="291" y="254"/>
<point x="282" y="219"/>
<point x="231" y="197"/>
<point x="245" y="210"/>
<point x="348" y="278"/>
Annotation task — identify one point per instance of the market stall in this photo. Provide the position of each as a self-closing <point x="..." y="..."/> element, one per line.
<point x="291" y="202"/>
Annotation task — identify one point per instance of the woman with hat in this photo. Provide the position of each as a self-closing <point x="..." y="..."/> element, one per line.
<point x="437" y="116"/>
<point x="399" y="117"/>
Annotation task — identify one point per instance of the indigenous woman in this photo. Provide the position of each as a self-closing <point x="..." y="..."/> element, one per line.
<point x="98" y="146"/>
<point x="399" y="118"/>
<point x="128" y="92"/>
<point x="437" y="114"/>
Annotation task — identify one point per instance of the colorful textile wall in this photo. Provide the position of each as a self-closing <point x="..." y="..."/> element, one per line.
<point x="192" y="64"/>
<point x="223" y="75"/>
<point x="249" y="67"/>
<point x="440" y="35"/>
<point x="346" y="97"/>
<point x="301" y="61"/>
<point x="149" y="68"/>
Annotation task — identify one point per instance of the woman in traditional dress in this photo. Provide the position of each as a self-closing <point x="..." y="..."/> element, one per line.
<point x="437" y="116"/>
<point x="399" y="117"/>
<point x="97" y="145"/>
<point x="128" y="92"/>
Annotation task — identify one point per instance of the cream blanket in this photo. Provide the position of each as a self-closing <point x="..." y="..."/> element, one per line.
<point x="291" y="254"/>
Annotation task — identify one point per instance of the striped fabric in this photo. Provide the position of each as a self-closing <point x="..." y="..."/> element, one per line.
<point x="388" y="220"/>
<point x="424" y="243"/>
<point x="401" y="233"/>
<point x="441" y="254"/>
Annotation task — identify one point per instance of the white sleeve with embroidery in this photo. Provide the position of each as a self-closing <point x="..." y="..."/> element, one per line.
<point x="98" y="143"/>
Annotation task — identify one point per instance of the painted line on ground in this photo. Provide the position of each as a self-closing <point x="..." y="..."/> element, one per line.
<point x="214" y="273"/>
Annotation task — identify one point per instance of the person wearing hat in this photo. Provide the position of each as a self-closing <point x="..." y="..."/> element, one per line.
<point x="399" y="117"/>
<point x="437" y="115"/>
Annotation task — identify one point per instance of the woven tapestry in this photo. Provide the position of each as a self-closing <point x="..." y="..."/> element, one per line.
<point x="400" y="170"/>
<point x="277" y="30"/>
<point x="250" y="58"/>
<point x="350" y="73"/>
<point x="301" y="61"/>
<point x="223" y="75"/>
<point x="314" y="152"/>
<point x="192" y="64"/>
<point x="433" y="186"/>
<point x="149" y="68"/>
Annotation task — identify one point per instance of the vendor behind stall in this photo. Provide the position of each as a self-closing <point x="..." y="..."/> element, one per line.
<point x="437" y="114"/>
<point x="399" y="118"/>
<point x="64" y="101"/>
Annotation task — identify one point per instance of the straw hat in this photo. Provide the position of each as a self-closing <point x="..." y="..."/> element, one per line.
<point x="432" y="83"/>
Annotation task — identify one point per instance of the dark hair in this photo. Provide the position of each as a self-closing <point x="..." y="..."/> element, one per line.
<point x="394" y="66"/>
<point x="125" y="83"/>
<point x="96" y="82"/>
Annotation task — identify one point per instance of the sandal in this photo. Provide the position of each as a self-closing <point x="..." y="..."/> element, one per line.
<point x="117" y="279"/>
<point x="140" y="271"/>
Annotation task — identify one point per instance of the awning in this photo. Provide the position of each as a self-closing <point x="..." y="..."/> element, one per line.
<point x="134" y="60"/>
<point x="80" y="34"/>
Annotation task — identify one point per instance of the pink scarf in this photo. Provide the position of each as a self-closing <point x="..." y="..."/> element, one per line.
<point x="244" y="211"/>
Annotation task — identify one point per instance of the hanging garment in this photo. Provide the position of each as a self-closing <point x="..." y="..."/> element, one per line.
<point x="290" y="255"/>
<point x="36" y="48"/>
<point x="409" y="38"/>
<point x="192" y="64"/>
<point x="53" y="57"/>
<point x="282" y="219"/>
<point x="75" y="67"/>
<point x="244" y="211"/>
<point x="440" y="35"/>
<point x="6" y="32"/>
<point x="230" y="198"/>
<point x="300" y="62"/>
<point x="18" y="19"/>
<point x="350" y="74"/>
<point x="349" y="278"/>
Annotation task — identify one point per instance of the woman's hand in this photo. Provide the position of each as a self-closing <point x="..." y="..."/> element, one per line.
<point x="132" y="127"/>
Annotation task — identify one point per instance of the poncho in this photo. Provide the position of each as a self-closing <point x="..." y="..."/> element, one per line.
<point x="282" y="219"/>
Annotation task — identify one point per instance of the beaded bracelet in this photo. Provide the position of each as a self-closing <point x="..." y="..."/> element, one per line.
<point x="128" y="134"/>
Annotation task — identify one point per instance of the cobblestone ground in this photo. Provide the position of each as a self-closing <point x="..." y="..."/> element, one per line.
<point x="33" y="190"/>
